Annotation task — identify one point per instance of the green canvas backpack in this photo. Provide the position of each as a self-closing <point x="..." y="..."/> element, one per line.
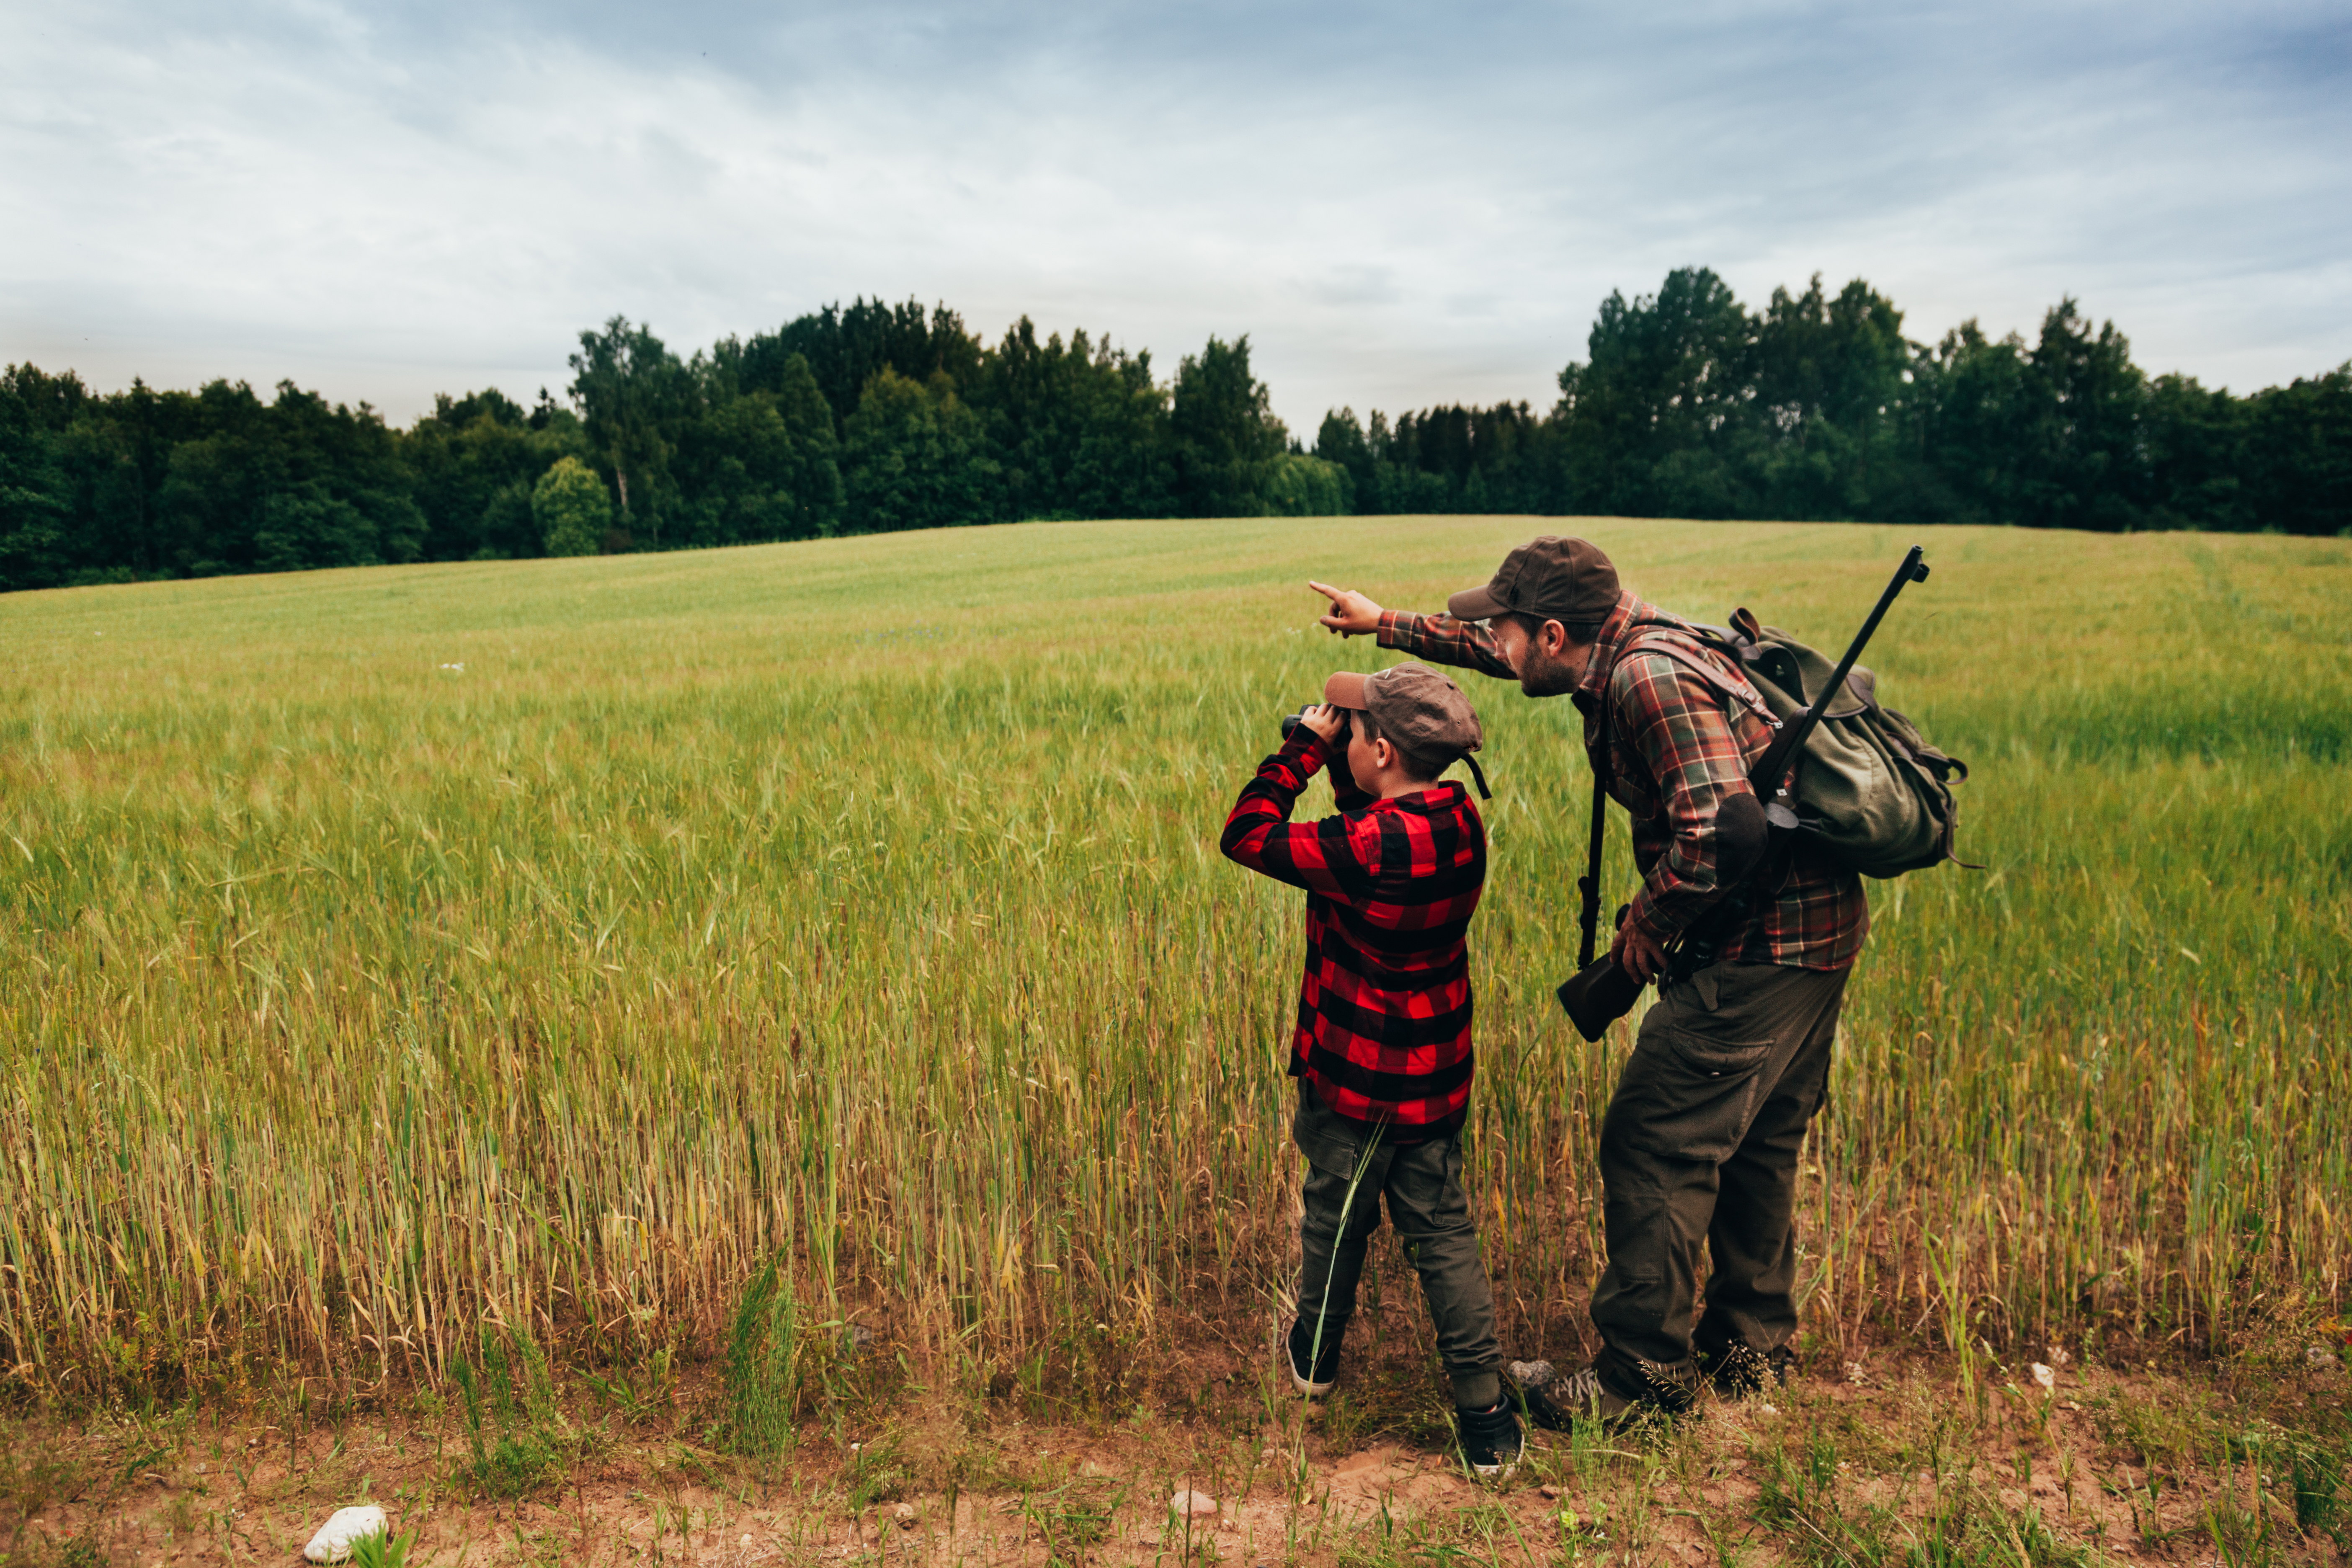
<point x="1870" y="792"/>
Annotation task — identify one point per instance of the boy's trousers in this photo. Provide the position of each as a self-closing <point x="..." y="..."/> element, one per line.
<point x="1700" y="1145"/>
<point x="1421" y="1185"/>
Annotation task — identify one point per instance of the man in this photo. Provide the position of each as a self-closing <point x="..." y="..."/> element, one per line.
<point x="1701" y="1139"/>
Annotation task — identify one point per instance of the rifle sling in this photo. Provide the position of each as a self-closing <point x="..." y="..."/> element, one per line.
<point x="1589" y="885"/>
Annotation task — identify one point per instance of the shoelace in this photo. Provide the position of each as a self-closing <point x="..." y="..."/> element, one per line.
<point x="1581" y="1388"/>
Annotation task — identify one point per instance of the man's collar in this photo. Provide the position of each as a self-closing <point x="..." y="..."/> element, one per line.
<point x="1606" y="648"/>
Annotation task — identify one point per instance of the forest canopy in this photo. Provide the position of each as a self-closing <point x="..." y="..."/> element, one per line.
<point x="878" y="416"/>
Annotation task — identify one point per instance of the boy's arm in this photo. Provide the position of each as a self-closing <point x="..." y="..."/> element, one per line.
<point x="1345" y="792"/>
<point x="1319" y="856"/>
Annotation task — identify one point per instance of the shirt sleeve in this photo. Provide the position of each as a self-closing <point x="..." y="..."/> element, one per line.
<point x="1676" y="725"/>
<point x="1442" y="639"/>
<point x="1323" y="856"/>
<point x="1345" y="794"/>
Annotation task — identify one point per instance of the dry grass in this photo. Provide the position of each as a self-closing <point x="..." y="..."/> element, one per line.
<point x="856" y="903"/>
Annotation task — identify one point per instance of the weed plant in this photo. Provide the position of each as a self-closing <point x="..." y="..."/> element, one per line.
<point x="383" y="1550"/>
<point x="554" y="943"/>
<point x="765" y="1365"/>
<point x="518" y="1440"/>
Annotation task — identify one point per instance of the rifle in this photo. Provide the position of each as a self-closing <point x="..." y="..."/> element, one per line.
<point x="1749" y="828"/>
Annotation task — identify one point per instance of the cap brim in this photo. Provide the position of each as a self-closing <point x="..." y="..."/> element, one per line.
<point x="1477" y="603"/>
<point x="1345" y="691"/>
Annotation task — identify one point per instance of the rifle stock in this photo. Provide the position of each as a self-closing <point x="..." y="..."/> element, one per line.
<point x="1598" y="995"/>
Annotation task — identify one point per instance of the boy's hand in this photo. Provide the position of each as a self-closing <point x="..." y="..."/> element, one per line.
<point x="1325" y="720"/>
<point x="1352" y="614"/>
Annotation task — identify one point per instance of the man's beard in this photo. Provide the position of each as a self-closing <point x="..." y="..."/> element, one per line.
<point x="1543" y="676"/>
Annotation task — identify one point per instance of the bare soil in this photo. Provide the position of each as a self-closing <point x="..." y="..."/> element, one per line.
<point x="1908" y="1461"/>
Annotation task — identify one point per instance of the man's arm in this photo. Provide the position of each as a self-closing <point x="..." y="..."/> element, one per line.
<point x="1441" y="639"/>
<point x="1675" y="724"/>
<point x="1320" y="857"/>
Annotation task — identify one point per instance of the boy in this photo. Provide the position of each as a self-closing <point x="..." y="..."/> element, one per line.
<point x="1382" y="1047"/>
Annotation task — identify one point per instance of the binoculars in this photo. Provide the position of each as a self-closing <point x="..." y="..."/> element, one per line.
<point x="1290" y="722"/>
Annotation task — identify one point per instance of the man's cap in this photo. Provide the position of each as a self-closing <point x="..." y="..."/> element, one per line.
<point x="1550" y="578"/>
<point x="1417" y="710"/>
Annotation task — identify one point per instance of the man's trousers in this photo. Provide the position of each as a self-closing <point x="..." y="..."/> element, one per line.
<point x="1701" y="1144"/>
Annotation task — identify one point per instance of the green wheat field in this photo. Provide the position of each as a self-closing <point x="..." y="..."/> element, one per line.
<point x="554" y="943"/>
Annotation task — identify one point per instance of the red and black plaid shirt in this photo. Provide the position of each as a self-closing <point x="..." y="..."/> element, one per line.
<point x="1384" y="1007"/>
<point x="1685" y="726"/>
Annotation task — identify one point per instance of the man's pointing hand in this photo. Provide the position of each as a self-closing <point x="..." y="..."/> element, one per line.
<point x="1353" y="614"/>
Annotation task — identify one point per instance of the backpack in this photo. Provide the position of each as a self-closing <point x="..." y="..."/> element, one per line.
<point x="1870" y="792"/>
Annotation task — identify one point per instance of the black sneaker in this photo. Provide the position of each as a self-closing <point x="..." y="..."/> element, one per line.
<point x="1313" y="1368"/>
<point x="1491" y="1440"/>
<point x="1740" y="1369"/>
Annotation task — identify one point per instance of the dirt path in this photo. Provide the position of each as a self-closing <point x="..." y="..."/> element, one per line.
<point x="2102" y="1466"/>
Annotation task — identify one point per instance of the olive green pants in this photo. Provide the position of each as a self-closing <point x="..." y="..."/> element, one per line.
<point x="1700" y="1145"/>
<point x="1352" y="1172"/>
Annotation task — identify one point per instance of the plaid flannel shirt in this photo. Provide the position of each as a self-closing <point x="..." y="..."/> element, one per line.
<point x="1383" y="1030"/>
<point x="1685" y="727"/>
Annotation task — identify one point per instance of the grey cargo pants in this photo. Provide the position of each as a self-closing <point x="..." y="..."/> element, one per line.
<point x="1700" y="1144"/>
<point x="1421" y="1185"/>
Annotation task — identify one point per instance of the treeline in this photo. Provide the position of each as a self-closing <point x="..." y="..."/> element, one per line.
<point x="881" y="416"/>
<point x="858" y="420"/>
<point x="1688" y="404"/>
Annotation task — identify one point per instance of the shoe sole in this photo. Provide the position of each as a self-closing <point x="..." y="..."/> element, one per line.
<point x="1311" y="1390"/>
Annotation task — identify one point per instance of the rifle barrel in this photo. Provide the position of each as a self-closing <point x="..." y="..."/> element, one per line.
<point x="1774" y="768"/>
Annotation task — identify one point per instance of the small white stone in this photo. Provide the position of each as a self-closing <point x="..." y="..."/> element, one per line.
<point x="2043" y="1376"/>
<point x="904" y="1515"/>
<point x="333" y="1541"/>
<point x="1192" y="1505"/>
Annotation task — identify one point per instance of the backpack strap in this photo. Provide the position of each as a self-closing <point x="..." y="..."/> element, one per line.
<point x="1724" y="924"/>
<point x="1690" y="647"/>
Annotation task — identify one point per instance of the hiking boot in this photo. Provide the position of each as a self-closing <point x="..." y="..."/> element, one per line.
<point x="1739" y="1369"/>
<point x="1313" y="1370"/>
<point x="1491" y="1440"/>
<point x="1556" y="1402"/>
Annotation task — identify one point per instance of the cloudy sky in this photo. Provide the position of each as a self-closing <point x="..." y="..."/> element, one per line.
<point x="1399" y="205"/>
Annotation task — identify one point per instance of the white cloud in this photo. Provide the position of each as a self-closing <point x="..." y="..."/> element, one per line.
<point x="1400" y="207"/>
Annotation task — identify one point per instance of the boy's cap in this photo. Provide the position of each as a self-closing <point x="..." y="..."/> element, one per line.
<point x="1551" y="578"/>
<point x="1418" y="710"/>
